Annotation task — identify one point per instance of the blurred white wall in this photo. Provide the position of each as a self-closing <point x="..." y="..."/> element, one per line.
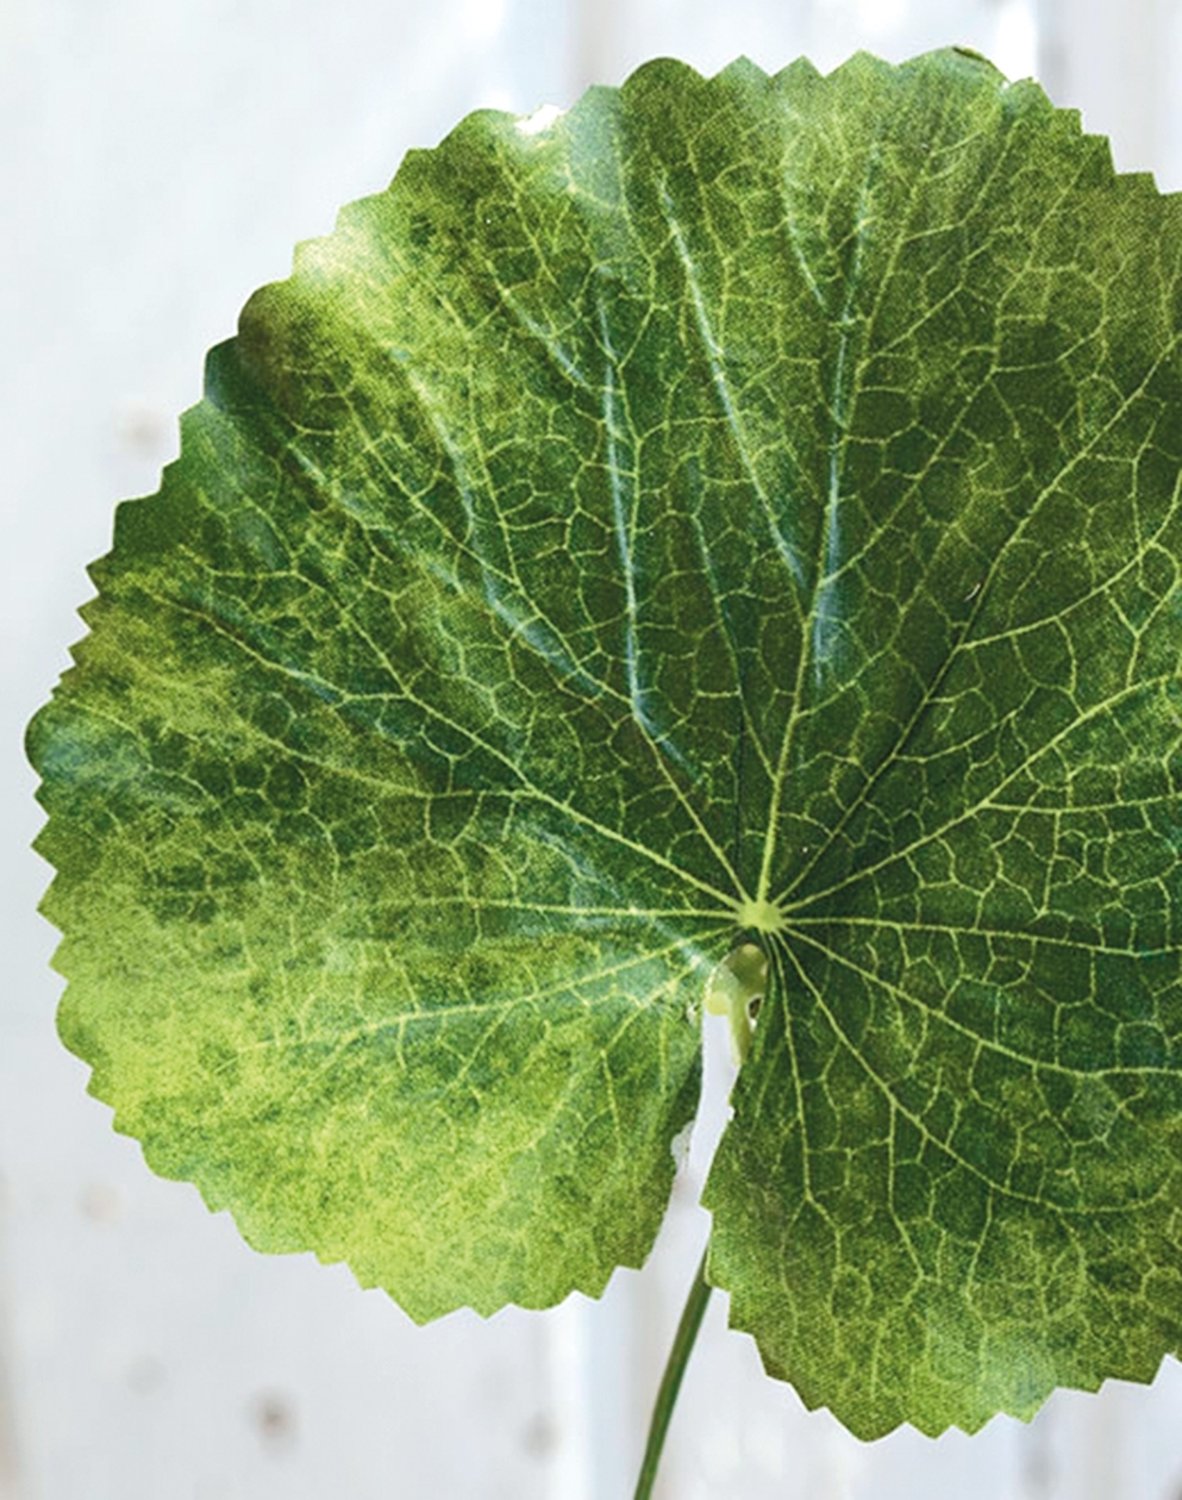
<point x="157" y="162"/>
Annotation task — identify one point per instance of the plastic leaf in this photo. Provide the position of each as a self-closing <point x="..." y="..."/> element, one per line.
<point x="737" y="511"/>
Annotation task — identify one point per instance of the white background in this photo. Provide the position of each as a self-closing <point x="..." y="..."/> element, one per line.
<point x="157" y="162"/>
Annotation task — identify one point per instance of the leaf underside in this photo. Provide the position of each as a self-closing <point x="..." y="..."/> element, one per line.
<point x="736" y="509"/>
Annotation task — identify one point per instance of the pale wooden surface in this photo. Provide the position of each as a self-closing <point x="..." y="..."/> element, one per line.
<point x="156" y="164"/>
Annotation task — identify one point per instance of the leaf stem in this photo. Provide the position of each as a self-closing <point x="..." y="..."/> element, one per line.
<point x="683" y="1343"/>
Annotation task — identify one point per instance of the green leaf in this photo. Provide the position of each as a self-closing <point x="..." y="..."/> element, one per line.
<point x="736" y="511"/>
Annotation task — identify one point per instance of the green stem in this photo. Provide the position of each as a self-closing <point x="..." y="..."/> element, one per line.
<point x="683" y="1343"/>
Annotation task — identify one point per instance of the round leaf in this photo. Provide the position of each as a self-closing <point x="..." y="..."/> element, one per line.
<point x="736" y="511"/>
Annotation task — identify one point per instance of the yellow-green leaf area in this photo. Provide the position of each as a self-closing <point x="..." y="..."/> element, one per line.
<point x="717" y="545"/>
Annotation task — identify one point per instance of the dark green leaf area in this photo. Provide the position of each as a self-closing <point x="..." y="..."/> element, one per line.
<point x="968" y="1171"/>
<point x="742" y="509"/>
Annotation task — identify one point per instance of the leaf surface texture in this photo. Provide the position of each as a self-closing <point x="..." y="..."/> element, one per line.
<point x="735" y="510"/>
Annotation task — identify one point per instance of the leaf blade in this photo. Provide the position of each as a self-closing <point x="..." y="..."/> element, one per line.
<point x="746" y="500"/>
